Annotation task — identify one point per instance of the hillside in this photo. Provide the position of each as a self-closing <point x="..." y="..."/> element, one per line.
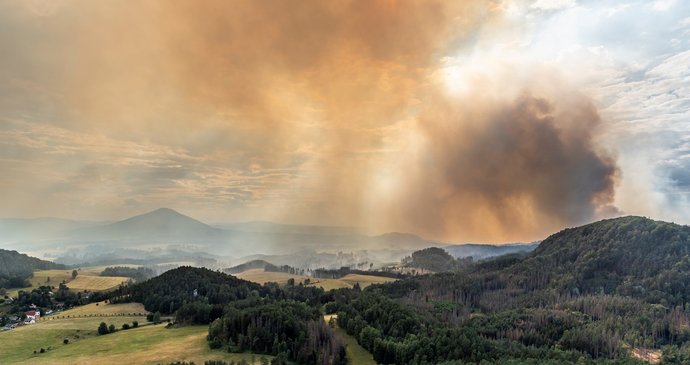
<point x="432" y="259"/>
<point x="169" y="291"/>
<point x="15" y="268"/>
<point x="485" y="251"/>
<point x="249" y="265"/>
<point x="628" y="255"/>
<point x="612" y="289"/>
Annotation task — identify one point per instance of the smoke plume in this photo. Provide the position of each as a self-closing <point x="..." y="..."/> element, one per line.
<point x="329" y="112"/>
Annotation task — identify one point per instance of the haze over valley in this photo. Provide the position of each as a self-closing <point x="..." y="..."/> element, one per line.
<point x="345" y="182"/>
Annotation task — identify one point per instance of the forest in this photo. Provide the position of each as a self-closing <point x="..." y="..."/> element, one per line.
<point x="139" y="274"/>
<point x="587" y="294"/>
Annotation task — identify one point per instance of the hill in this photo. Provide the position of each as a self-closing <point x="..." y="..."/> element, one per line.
<point x="15" y="268"/>
<point x="249" y="265"/>
<point x="160" y="224"/>
<point x="613" y="289"/>
<point x="628" y="255"/>
<point x="485" y="251"/>
<point x="432" y="259"/>
<point x="167" y="292"/>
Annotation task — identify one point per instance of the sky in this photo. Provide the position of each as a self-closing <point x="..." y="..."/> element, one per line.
<point x="482" y="121"/>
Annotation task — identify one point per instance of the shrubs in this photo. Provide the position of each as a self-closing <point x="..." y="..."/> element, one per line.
<point x="125" y="326"/>
<point x="102" y="329"/>
<point x="154" y="317"/>
<point x="135" y="324"/>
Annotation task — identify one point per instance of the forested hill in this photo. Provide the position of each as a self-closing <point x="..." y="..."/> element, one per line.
<point x="614" y="255"/>
<point x="169" y="291"/>
<point x="16" y="267"/>
<point x="249" y="265"/>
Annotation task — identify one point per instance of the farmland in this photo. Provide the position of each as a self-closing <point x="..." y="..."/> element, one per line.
<point x="87" y="279"/>
<point x="260" y="276"/>
<point x="148" y="344"/>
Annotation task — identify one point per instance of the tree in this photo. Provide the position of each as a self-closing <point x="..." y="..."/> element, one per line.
<point x="135" y="324"/>
<point x="74" y="274"/>
<point x="157" y="317"/>
<point x="125" y="326"/>
<point x="65" y="340"/>
<point x="102" y="329"/>
<point x="111" y="328"/>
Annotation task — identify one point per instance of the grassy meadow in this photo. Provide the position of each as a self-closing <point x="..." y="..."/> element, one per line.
<point x="148" y="344"/>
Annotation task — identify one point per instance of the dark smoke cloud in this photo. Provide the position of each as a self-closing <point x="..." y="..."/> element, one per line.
<point x="502" y="170"/>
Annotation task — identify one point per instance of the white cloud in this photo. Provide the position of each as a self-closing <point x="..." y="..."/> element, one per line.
<point x="663" y="5"/>
<point x="553" y="4"/>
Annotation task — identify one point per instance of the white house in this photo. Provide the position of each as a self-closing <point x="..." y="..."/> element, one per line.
<point x="32" y="316"/>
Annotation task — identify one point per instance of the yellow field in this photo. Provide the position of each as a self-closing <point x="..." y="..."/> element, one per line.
<point x="365" y="280"/>
<point x="148" y="344"/>
<point x="348" y="281"/>
<point x="87" y="279"/>
<point x="261" y="277"/>
<point x="104" y="309"/>
<point x="83" y="282"/>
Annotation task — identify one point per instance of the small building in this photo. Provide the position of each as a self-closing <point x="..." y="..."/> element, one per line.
<point x="32" y="316"/>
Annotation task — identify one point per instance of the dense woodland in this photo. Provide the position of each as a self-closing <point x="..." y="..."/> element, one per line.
<point x="435" y="259"/>
<point x="339" y="273"/>
<point x="585" y="294"/>
<point x="244" y="316"/>
<point x="139" y="274"/>
<point x="16" y="268"/>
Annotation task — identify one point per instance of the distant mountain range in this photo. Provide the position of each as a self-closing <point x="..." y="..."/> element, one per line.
<point x="158" y="232"/>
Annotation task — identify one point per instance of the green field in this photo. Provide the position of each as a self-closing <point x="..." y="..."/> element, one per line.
<point x="148" y="344"/>
<point x="356" y="354"/>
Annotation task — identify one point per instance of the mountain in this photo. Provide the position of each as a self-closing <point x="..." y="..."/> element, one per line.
<point x="160" y="225"/>
<point x="152" y="233"/>
<point x="485" y="251"/>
